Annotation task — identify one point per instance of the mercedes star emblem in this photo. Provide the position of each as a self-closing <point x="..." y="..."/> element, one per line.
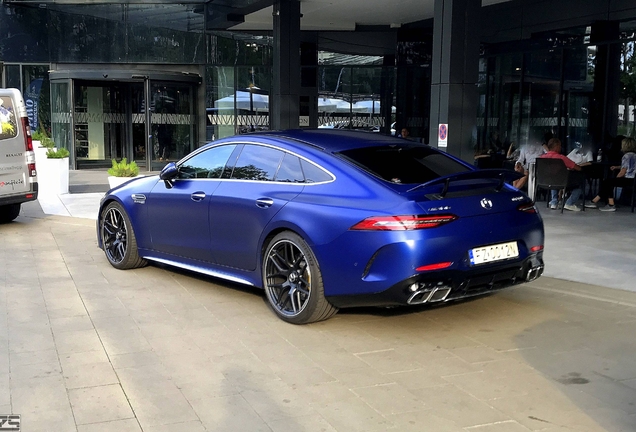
<point x="486" y="203"/>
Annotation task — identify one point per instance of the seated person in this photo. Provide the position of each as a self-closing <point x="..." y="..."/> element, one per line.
<point x="579" y="156"/>
<point x="624" y="178"/>
<point x="527" y="155"/>
<point x="574" y="182"/>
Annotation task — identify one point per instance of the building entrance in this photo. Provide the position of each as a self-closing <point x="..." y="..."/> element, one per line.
<point x="150" y="121"/>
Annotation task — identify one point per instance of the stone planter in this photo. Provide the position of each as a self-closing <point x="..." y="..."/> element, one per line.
<point x="53" y="176"/>
<point x="40" y="153"/>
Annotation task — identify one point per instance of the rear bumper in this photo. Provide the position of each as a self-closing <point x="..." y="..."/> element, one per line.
<point x="446" y="285"/>
<point x="20" y="198"/>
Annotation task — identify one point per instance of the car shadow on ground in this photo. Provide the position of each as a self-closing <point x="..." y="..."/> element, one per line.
<point x="376" y="311"/>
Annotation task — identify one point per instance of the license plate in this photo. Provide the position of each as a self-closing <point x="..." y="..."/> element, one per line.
<point x="492" y="253"/>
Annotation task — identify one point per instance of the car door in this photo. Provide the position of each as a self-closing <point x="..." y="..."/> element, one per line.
<point x="263" y="180"/>
<point x="178" y="212"/>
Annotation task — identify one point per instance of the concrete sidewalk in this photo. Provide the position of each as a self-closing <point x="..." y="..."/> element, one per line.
<point x="88" y="348"/>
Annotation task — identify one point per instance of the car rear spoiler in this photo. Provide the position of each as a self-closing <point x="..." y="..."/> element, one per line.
<point x="501" y="175"/>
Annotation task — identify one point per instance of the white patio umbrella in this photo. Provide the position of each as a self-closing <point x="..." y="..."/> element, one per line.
<point x="370" y="106"/>
<point x="244" y="101"/>
<point x="327" y="105"/>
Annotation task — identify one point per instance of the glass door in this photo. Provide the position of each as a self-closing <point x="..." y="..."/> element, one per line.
<point x="99" y="124"/>
<point x="173" y="122"/>
<point x="61" y="115"/>
<point x="137" y="124"/>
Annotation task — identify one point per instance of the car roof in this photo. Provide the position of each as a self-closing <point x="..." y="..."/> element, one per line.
<point x="335" y="140"/>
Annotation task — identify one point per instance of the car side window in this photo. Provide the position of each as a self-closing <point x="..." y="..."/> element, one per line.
<point x="313" y="174"/>
<point x="207" y="164"/>
<point x="290" y="170"/>
<point x="257" y="163"/>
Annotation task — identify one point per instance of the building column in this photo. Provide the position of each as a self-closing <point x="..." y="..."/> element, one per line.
<point x="454" y="92"/>
<point x="284" y="100"/>
<point x="607" y="81"/>
<point x="309" y="84"/>
<point x="387" y="88"/>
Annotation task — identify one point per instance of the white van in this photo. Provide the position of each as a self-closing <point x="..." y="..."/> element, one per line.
<point x="18" y="179"/>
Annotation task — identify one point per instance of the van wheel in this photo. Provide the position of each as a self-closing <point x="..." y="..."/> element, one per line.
<point x="9" y="212"/>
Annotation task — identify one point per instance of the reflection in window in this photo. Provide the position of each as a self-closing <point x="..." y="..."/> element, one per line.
<point x="313" y="174"/>
<point x="207" y="164"/>
<point x="8" y="124"/>
<point x="257" y="163"/>
<point x="290" y="170"/>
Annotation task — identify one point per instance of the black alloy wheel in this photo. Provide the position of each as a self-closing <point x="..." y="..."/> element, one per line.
<point x="293" y="282"/>
<point x="118" y="238"/>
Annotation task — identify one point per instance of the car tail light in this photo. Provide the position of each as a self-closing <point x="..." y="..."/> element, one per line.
<point x="402" y="223"/>
<point x="536" y="248"/>
<point x="32" y="172"/>
<point x="437" y="266"/>
<point x="527" y="207"/>
<point x="26" y="129"/>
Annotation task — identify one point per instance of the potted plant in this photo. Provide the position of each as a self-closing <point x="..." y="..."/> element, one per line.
<point x="122" y="171"/>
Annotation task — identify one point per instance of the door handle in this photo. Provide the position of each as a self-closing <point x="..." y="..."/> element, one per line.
<point x="264" y="202"/>
<point x="198" y="196"/>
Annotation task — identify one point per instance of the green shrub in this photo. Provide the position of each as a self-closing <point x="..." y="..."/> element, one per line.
<point x="37" y="135"/>
<point x="45" y="141"/>
<point x="60" y="153"/>
<point x="124" y="168"/>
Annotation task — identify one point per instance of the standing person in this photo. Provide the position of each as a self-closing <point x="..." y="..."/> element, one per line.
<point x="164" y="136"/>
<point x="574" y="182"/>
<point x="624" y="178"/>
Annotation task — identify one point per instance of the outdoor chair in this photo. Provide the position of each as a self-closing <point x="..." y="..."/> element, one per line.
<point x="552" y="174"/>
<point x="628" y="194"/>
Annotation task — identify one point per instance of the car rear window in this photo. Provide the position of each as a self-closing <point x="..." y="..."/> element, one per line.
<point x="8" y="125"/>
<point x="404" y="164"/>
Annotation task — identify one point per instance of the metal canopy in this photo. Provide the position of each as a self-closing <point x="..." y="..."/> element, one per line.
<point x="245" y="15"/>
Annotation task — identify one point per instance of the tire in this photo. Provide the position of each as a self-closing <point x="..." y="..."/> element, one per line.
<point x="118" y="238"/>
<point x="9" y="212"/>
<point x="293" y="281"/>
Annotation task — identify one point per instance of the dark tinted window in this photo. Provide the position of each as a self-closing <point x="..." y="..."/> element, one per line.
<point x="290" y="170"/>
<point x="404" y="164"/>
<point x="313" y="174"/>
<point x="257" y="163"/>
<point x="207" y="164"/>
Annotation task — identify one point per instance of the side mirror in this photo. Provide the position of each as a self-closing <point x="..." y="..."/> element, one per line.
<point x="169" y="172"/>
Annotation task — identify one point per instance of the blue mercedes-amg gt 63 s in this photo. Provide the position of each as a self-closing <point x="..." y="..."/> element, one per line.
<point x="326" y="219"/>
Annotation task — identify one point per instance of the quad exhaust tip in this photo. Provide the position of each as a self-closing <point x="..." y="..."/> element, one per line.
<point x="428" y="295"/>
<point x="534" y="273"/>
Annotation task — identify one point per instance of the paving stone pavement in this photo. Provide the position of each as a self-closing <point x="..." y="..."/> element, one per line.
<point x="88" y="348"/>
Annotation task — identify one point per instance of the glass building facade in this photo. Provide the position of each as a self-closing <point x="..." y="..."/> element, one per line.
<point x="111" y="81"/>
